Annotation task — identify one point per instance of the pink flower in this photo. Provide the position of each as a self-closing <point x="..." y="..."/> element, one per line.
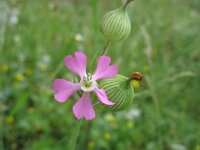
<point x="88" y="83"/>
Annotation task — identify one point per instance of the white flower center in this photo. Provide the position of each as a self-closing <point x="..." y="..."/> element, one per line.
<point x="87" y="84"/>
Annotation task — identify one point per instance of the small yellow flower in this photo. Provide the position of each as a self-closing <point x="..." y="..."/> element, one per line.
<point x="135" y="83"/>
<point x="30" y="109"/>
<point x="130" y="124"/>
<point x="106" y="136"/>
<point x="91" y="145"/>
<point x="4" y="67"/>
<point x="10" y="119"/>
<point x="197" y="147"/>
<point x="14" y="145"/>
<point x="28" y="72"/>
<point x="110" y="118"/>
<point x="19" y="77"/>
<point x="37" y="125"/>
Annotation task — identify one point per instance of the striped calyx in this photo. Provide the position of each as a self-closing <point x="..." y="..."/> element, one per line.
<point x="116" y="25"/>
<point x="119" y="90"/>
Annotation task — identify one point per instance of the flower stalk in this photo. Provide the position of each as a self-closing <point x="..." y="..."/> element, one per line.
<point x="74" y="137"/>
<point x="105" y="50"/>
<point x="126" y="4"/>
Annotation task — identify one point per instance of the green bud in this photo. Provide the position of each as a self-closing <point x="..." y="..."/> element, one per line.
<point x="116" y="25"/>
<point x="119" y="90"/>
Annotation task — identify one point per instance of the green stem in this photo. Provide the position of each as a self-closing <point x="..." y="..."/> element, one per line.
<point x="96" y="104"/>
<point x="74" y="137"/>
<point x="105" y="50"/>
<point x="127" y="2"/>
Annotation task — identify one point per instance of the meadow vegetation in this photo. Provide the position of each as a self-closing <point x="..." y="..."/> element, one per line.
<point x="35" y="37"/>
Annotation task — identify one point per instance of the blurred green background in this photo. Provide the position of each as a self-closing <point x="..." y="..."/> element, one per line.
<point x="35" y="37"/>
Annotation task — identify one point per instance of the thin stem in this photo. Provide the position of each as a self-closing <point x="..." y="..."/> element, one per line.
<point x="96" y="104"/>
<point x="127" y="2"/>
<point x="74" y="137"/>
<point x="105" y="50"/>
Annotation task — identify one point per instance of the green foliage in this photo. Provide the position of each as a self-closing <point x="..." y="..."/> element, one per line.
<point x="35" y="37"/>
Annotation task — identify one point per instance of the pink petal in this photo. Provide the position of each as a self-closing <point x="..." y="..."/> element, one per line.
<point x="65" y="89"/>
<point x="104" y="70"/>
<point x="61" y="84"/>
<point x="84" y="108"/>
<point x="101" y="94"/>
<point x="77" y="64"/>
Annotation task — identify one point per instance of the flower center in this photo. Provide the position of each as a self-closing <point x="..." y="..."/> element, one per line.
<point x="87" y="83"/>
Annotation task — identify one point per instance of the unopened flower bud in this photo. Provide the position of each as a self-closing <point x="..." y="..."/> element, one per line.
<point x="119" y="90"/>
<point x="116" y="25"/>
